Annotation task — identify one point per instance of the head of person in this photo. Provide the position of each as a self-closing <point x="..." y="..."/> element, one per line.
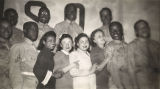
<point x="106" y="16"/>
<point x="5" y="29"/>
<point x="70" y="12"/>
<point x="30" y="30"/>
<point x="65" y="43"/>
<point x="142" y="29"/>
<point x="44" y="15"/>
<point x="82" y="42"/>
<point x="48" y="41"/>
<point x="116" y="31"/>
<point x="98" y="38"/>
<point x="12" y="16"/>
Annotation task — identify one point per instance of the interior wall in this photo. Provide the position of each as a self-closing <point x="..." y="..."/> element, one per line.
<point x="125" y="11"/>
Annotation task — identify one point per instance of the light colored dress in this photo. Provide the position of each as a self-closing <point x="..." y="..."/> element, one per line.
<point x="85" y="81"/>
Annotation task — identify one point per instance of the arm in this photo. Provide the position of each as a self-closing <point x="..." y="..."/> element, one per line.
<point x="75" y="72"/>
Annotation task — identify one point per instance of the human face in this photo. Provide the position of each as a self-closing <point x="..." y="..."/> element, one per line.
<point x="12" y="17"/>
<point x="99" y="39"/>
<point x="5" y="30"/>
<point x="50" y="42"/>
<point x="71" y="13"/>
<point x="105" y="17"/>
<point x="83" y="43"/>
<point x="44" y="16"/>
<point x="33" y="33"/>
<point x="66" y="44"/>
<point x="143" y="30"/>
<point x="115" y="32"/>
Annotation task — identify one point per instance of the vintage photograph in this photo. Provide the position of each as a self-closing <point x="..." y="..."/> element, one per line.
<point x="79" y="44"/>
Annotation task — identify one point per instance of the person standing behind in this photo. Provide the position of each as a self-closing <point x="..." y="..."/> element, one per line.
<point x="68" y="26"/>
<point x="23" y="57"/>
<point x="43" y="68"/>
<point x="83" y="77"/>
<point x="12" y="16"/>
<point x="62" y="63"/>
<point x="97" y="56"/>
<point x="106" y="18"/>
<point x="5" y="34"/>
<point x="44" y="18"/>
<point x="144" y="58"/>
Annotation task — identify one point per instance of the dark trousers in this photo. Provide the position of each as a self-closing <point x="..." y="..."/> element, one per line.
<point x="50" y="85"/>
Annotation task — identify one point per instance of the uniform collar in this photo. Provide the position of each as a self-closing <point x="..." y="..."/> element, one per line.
<point x="70" y="22"/>
<point x="65" y="52"/>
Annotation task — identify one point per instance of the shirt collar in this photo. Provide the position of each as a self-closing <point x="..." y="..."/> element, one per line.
<point x="68" y="21"/>
<point x="65" y="52"/>
<point x="87" y="53"/>
<point x="28" y="41"/>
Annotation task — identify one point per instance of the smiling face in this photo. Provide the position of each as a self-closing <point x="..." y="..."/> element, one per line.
<point x="142" y="30"/>
<point x="99" y="38"/>
<point x="71" y="13"/>
<point x="83" y="43"/>
<point x="50" y="42"/>
<point x="66" y="44"/>
<point x="5" y="30"/>
<point x="116" y="32"/>
<point x="106" y="17"/>
<point x="44" y="15"/>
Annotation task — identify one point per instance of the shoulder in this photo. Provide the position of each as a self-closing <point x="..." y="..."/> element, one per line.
<point x="60" y="23"/>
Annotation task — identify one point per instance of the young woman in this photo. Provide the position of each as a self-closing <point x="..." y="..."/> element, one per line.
<point x="61" y="59"/>
<point x="83" y="76"/>
<point x="43" y="68"/>
<point x="97" y="56"/>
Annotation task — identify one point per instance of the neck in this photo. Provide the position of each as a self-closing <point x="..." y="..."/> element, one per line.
<point x="101" y="46"/>
<point x="117" y="41"/>
<point x="142" y="39"/>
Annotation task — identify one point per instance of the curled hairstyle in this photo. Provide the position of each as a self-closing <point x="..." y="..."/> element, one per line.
<point x="79" y="37"/>
<point x="44" y="38"/>
<point x="93" y="35"/>
<point x="60" y="41"/>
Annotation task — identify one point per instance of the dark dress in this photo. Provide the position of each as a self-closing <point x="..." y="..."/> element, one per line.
<point x="97" y="56"/>
<point x="43" y="64"/>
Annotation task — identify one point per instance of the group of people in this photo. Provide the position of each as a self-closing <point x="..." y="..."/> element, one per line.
<point x="40" y="57"/>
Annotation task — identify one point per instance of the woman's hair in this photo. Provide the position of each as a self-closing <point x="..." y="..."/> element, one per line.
<point x="60" y="41"/>
<point x="79" y="37"/>
<point x="44" y="38"/>
<point x="93" y="35"/>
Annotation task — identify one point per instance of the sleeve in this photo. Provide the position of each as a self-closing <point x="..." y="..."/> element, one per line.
<point x="57" y="61"/>
<point x="40" y="71"/>
<point x="76" y="71"/>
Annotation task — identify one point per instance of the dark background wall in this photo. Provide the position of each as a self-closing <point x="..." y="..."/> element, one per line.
<point x="125" y="11"/>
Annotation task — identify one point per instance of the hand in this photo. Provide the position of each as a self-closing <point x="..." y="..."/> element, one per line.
<point x="99" y="68"/>
<point x="58" y="74"/>
<point x="94" y="67"/>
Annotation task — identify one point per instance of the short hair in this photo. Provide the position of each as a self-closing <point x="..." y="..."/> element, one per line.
<point x="139" y="21"/>
<point x="7" y="11"/>
<point x="107" y="9"/>
<point x="60" y="41"/>
<point x="93" y="35"/>
<point x="44" y="38"/>
<point x="27" y="26"/>
<point x="79" y="37"/>
<point x="116" y="23"/>
<point x="42" y="9"/>
<point x="68" y="6"/>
